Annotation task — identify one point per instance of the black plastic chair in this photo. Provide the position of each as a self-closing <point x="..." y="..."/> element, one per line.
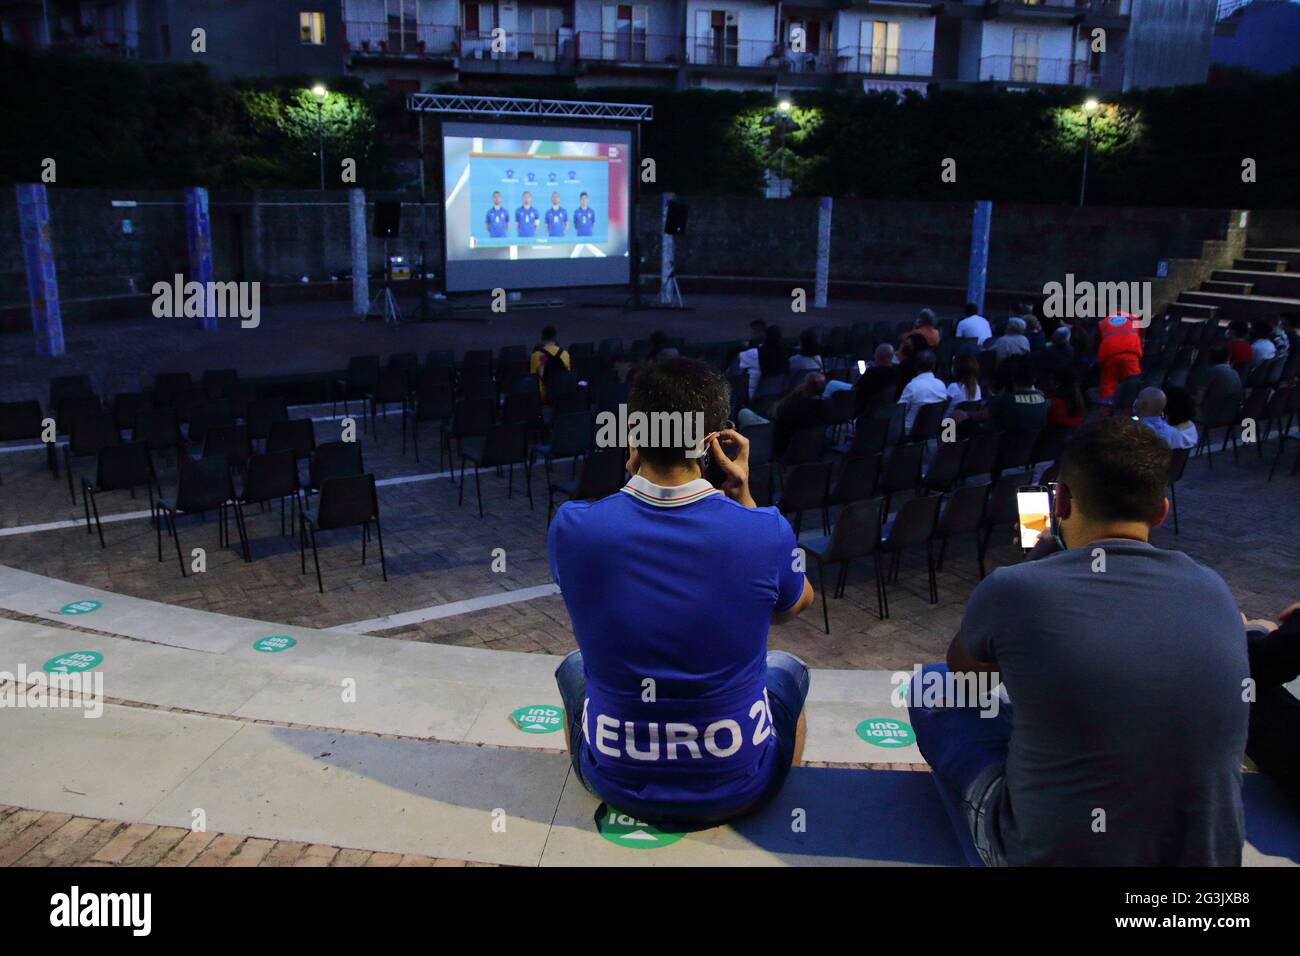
<point x="570" y="438"/>
<point x="913" y="527"/>
<point x="901" y="471"/>
<point x="269" y="477"/>
<point x="857" y="481"/>
<point x="168" y="386"/>
<point x="982" y="455"/>
<point x="230" y="442"/>
<point x="361" y="377"/>
<point x="945" y="467"/>
<point x="870" y="434"/>
<point x="856" y="535"/>
<point x="334" y="459"/>
<point x="599" y="476"/>
<point x="392" y="387"/>
<point x="471" y="418"/>
<point x="126" y="406"/>
<point x="210" y="414"/>
<point x="502" y="446"/>
<point x="262" y="413"/>
<point x="158" y="429"/>
<point x="804" y="488"/>
<point x="119" y="468"/>
<point x="202" y="485"/>
<point x="297" y="435"/>
<point x="928" y="421"/>
<point x="88" y="436"/>
<point x="1001" y="510"/>
<point x="434" y="402"/>
<point x="1177" y="465"/>
<point x="1015" y="452"/>
<point x="344" y="503"/>
<point x="1221" y="411"/>
<point x="806" y="445"/>
<point x="964" y="515"/>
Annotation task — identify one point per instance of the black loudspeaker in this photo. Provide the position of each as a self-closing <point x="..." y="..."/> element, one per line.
<point x="388" y="218"/>
<point x="676" y="222"/>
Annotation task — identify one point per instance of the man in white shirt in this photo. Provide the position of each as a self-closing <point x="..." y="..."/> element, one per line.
<point x="924" y="389"/>
<point x="974" y="326"/>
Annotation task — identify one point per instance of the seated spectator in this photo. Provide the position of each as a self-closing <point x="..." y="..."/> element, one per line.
<point x="1058" y="354"/>
<point x="1122" y="742"/>
<point x="809" y="358"/>
<point x="757" y="333"/>
<point x="974" y="326"/>
<point x="1275" y="714"/>
<point x="1065" y="406"/>
<point x="1150" y="411"/>
<point x="1262" y="348"/>
<point x="965" y="384"/>
<point x="676" y="711"/>
<point x="1289" y="325"/>
<point x="1018" y="406"/>
<point x="548" y="358"/>
<point x="1221" y="379"/>
<point x="926" y="327"/>
<point x="769" y="358"/>
<point x="880" y="376"/>
<point x="923" y="389"/>
<point x="1013" y="342"/>
<point x="1239" y="348"/>
<point x="1179" y="412"/>
<point x="660" y="348"/>
<point x="802" y="408"/>
<point x="1034" y="333"/>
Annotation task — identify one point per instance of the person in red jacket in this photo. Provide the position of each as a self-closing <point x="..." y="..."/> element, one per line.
<point x="1119" y="351"/>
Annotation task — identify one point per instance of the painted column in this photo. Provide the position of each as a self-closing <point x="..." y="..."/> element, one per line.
<point x="198" y="232"/>
<point x="979" y="253"/>
<point x="38" y="257"/>
<point x="665" y="251"/>
<point x="360" y="260"/>
<point x="823" y="251"/>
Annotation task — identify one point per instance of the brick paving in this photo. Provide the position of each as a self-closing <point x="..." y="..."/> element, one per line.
<point x="37" y="838"/>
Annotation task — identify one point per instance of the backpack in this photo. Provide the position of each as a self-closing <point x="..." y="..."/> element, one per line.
<point x="550" y="365"/>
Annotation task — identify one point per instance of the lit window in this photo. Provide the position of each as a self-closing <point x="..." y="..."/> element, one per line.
<point x="311" y="27"/>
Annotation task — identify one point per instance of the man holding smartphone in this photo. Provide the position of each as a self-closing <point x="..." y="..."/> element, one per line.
<point x="676" y="711"/>
<point x="1126" y="667"/>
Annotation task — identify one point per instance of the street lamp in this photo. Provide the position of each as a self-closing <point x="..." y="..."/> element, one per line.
<point x="784" y="121"/>
<point x="1090" y="108"/>
<point x="320" y="93"/>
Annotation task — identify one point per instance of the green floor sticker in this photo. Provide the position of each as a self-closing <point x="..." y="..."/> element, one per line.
<point x="886" y="732"/>
<point x="73" y="662"/>
<point x="80" y="607"/>
<point x="270" y="645"/>
<point x="538" y="719"/>
<point x="630" y="832"/>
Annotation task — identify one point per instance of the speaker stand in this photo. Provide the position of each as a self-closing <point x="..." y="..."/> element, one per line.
<point x="384" y="304"/>
<point x="670" y="294"/>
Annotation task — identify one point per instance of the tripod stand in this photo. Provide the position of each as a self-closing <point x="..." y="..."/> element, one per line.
<point x="383" y="304"/>
<point x="669" y="292"/>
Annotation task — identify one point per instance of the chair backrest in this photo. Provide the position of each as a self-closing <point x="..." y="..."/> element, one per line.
<point x="430" y="375"/>
<point x="1278" y="402"/>
<point x="231" y="441"/>
<point x="240" y="395"/>
<point x="335" y="459"/>
<point x="157" y="428"/>
<point x="167" y="386"/>
<point x="123" y="466"/>
<point x="1126" y="394"/>
<point x="857" y="479"/>
<point x="570" y="434"/>
<point x="1218" y="410"/>
<point x="1016" y="450"/>
<point x="391" y="385"/>
<point x="203" y="483"/>
<point x="600" y="474"/>
<point x="870" y="434"/>
<point x="505" y="445"/>
<point x="945" y="466"/>
<point x="473" y="416"/>
<point x="760" y="442"/>
<point x="126" y="405"/>
<point x="90" y="433"/>
<point x="1002" y="507"/>
<point x="270" y="476"/>
<point x="1177" y="464"/>
<point x="476" y="383"/>
<point x="840" y="405"/>
<point x="434" y="401"/>
<point x="805" y="486"/>
<point x="523" y="408"/>
<point x="363" y="371"/>
<point x="347" y="501"/>
<point x="805" y="445"/>
<point x="296" y="435"/>
<point x="965" y="511"/>
<point x="20" y="420"/>
<point x="902" y="468"/>
<point x="73" y="407"/>
<point x="209" y="414"/>
<point x="914" y="523"/>
<point x="928" y="421"/>
<point x="857" y="532"/>
<point x="264" y="412"/>
<point x="982" y="454"/>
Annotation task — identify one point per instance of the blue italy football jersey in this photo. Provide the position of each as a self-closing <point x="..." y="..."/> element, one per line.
<point x="526" y="219"/>
<point x="498" y="222"/>
<point x="584" y="220"/>
<point x="556" y="219"/>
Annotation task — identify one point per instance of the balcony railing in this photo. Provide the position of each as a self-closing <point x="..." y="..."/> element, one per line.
<point x="627" y="47"/>
<point x="1107" y="8"/>
<point x="554" y="47"/>
<point x="407" y="40"/>
<point x="1025" y="69"/>
<point x="873" y="62"/>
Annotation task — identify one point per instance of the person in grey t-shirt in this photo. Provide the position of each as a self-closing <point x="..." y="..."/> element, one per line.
<point x="1126" y="666"/>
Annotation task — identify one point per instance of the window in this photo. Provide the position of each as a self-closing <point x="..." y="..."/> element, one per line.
<point x="623" y="32"/>
<point x="402" y="17"/>
<point x="880" y="37"/>
<point x="311" y="27"/>
<point x="717" y="39"/>
<point x="1024" y="56"/>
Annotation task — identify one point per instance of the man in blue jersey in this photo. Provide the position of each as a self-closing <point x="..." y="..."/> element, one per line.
<point x="557" y="220"/>
<point x="676" y="711"/>
<point x="498" y="219"/>
<point x="584" y="218"/>
<point x="526" y="218"/>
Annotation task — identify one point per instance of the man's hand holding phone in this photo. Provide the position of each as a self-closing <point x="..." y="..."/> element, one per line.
<point x="735" y="484"/>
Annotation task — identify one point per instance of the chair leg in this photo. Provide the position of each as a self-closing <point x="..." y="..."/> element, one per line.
<point x="67" y="466"/>
<point x="934" y="584"/>
<point x="478" y="488"/>
<point x="99" y="525"/>
<point x="510" y="482"/>
<point x="242" y="528"/>
<point x="379" y="537"/>
<point x="316" y="557"/>
<point x="843" y="579"/>
<point x="460" y="497"/>
<point x="365" y="536"/>
<point x="302" y="542"/>
<point x="176" y="537"/>
<point x="85" y="503"/>
<point x="1173" y="500"/>
<point x="821" y="586"/>
<point x="528" y="482"/>
<point x="882" y="594"/>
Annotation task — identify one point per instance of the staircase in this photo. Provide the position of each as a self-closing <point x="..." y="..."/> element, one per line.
<point x="1263" y="281"/>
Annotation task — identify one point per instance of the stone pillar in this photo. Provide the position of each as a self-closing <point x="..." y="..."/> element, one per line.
<point x="38" y="257"/>
<point x="979" y="253"/>
<point x="823" y="251"/>
<point x="198" y="233"/>
<point x="360" y="260"/>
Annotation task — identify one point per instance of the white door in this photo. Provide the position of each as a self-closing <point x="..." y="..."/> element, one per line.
<point x="1024" y="56"/>
<point x="546" y="28"/>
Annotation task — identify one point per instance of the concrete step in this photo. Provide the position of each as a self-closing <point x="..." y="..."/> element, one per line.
<point x="1283" y="284"/>
<point x="1242" y="306"/>
<point x="1219" y="285"/>
<point x="1260" y="265"/>
<point x="1290" y="256"/>
<point x="1192" y="310"/>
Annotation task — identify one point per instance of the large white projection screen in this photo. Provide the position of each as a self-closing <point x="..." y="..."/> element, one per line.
<point x="528" y="206"/>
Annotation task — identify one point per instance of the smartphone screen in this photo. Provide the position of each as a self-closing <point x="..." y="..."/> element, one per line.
<point x="862" y="367"/>
<point x="1035" y="508"/>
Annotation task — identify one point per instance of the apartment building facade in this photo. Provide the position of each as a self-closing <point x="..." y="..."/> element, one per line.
<point x="1100" y="45"/>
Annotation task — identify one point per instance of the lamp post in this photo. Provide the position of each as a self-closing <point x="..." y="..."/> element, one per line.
<point x="320" y="93"/>
<point x="1090" y="108"/>
<point x="783" y="119"/>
